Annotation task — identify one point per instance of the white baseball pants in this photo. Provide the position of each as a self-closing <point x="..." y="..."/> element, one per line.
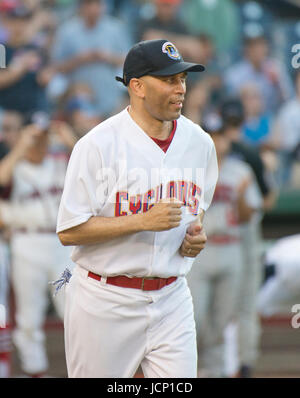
<point x="250" y="278"/>
<point x="111" y="330"/>
<point x="36" y="260"/>
<point x="213" y="284"/>
<point x="5" y="334"/>
<point x="242" y="337"/>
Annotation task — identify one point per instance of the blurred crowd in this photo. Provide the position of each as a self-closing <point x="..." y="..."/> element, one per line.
<point x="62" y="56"/>
<point x="61" y="59"/>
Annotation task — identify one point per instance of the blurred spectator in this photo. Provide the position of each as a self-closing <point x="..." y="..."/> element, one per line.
<point x="78" y="109"/>
<point x="256" y="18"/>
<point x="197" y="101"/>
<point x="37" y="179"/>
<point x="286" y="134"/>
<point x="233" y="114"/>
<point x="256" y="67"/>
<point x="63" y="9"/>
<point x="9" y="131"/>
<point x="15" y="142"/>
<point x="257" y="125"/>
<point x="213" y="69"/>
<point x="216" y="18"/>
<point x="10" y="126"/>
<point x="20" y="88"/>
<point x="42" y="25"/>
<point x="214" y="275"/>
<point x="129" y="11"/>
<point x="167" y="24"/>
<point x="205" y="90"/>
<point x="246" y="319"/>
<point x="90" y="49"/>
<point x="165" y="19"/>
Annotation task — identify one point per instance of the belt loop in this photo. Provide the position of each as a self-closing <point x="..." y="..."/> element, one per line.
<point x="143" y="282"/>
<point x="103" y="280"/>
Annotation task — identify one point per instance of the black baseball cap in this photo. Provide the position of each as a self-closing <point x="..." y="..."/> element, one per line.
<point x="213" y="123"/>
<point x="155" y="58"/>
<point x="232" y="112"/>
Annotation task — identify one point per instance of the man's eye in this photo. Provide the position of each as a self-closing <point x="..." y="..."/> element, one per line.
<point x="172" y="80"/>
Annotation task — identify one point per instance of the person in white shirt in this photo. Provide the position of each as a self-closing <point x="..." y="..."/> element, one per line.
<point x="215" y="275"/>
<point x="135" y="192"/>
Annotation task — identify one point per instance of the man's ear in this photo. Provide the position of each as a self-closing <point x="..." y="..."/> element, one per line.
<point x="137" y="87"/>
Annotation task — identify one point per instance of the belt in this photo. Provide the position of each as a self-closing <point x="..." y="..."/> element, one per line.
<point x="135" y="283"/>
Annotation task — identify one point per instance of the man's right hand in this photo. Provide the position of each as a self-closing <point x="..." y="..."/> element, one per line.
<point x="163" y="215"/>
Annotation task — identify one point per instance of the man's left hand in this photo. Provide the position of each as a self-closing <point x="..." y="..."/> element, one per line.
<point x="194" y="241"/>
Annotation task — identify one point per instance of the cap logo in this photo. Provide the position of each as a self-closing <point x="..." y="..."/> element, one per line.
<point x="169" y="49"/>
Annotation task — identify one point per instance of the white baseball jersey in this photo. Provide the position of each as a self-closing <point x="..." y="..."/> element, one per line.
<point x="221" y="220"/>
<point x="36" y="252"/>
<point x="35" y="196"/>
<point x="118" y="170"/>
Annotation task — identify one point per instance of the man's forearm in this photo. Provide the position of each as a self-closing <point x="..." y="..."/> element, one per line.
<point x="31" y="214"/>
<point x="244" y="211"/>
<point x="102" y="229"/>
<point x="69" y="65"/>
<point x="113" y="59"/>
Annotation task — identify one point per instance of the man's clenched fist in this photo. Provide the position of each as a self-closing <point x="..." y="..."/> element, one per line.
<point x="194" y="240"/>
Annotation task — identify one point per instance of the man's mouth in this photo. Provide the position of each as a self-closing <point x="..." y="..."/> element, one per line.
<point x="177" y="104"/>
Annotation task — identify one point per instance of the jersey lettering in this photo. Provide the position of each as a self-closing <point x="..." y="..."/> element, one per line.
<point x="135" y="204"/>
<point x="119" y="197"/>
<point x="187" y="192"/>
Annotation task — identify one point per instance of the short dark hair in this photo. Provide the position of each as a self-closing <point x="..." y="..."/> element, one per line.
<point x="213" y="123"/>
<point x="232" y="112"/>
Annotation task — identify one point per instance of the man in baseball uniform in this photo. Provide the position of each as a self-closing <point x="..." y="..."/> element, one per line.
<point x="11" y="124"/>
<point x="135" y="192"/>
<point x="36" y="177"/>
<point x="214" y="275"/>
<point x="242" y="335"/>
